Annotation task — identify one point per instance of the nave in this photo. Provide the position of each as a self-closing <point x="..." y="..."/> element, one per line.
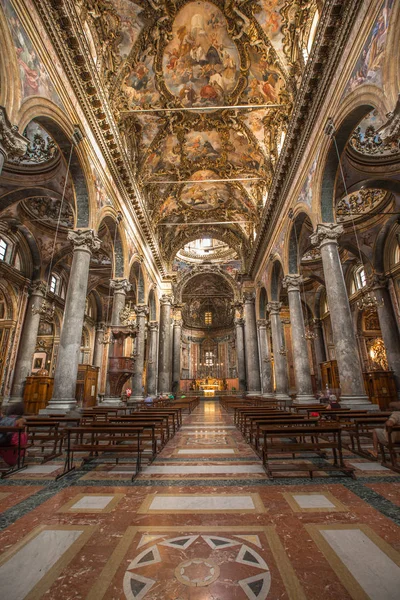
<point x="201" y="522"/>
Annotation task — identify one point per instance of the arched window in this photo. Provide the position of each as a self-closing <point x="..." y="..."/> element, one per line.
<point x="54" y="284"/>
<point x="360" y="278"/>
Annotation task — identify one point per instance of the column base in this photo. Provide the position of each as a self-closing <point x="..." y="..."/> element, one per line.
<point x="57" y="407"/>
<point x="110" y="401"/>
<point x="304" y="399"/>
<point x="13" y="399"/>
<point x="253" y="393"/>
<point x="285" y="397"/>
<point x="133" y="399"/>
<point x="358" y="403"/>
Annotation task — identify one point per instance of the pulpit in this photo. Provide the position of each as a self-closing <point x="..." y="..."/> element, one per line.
<point x="86" y="385"/>
<point x="38" y="391"/>
<point x="380" y="387"/>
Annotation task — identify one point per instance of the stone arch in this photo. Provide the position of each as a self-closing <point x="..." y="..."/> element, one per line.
<point x="182" y="283"/>
<point x="277" y="274"/>
<point x="56" y="123"/>
<point x="152" y="302"/>
<point x="390" y="243"/>
<point x="232" y="238"/>
<point x="111" y="221"/>
<point x="136" y="276"/>
<point x="31" y="259"/>
<point x="262" y="303"/>
<point x="295" y="242"/>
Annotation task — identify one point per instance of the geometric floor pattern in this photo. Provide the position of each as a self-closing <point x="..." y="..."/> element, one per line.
<point x="200" y="523"/>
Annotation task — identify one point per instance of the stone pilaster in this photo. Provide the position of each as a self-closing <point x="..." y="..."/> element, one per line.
<point x="99" y="349"/>
<point x="176" y="352"/>
<point x="137" y="380"/>
<point x="265" y="358"/>
<point x="241" y="363"/>
<point x="34" y="311"/>
<point x="319" y="349"/>
<point x="302" y="372"/>
<point x="280" y="364"/>
<point x="388" y="324"/>
<point x="12" y="144"/>
<point x="251" y="345"/>
<point x="350" y="373"/>
<point x="84" y="241"/>
<point x="152" y="361"/>
<point x="165" y="358"/>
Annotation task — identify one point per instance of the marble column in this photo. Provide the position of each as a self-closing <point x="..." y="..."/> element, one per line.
<point x="84" y="241"/>
<point x="152" y="361"/>
<point x="350" y="373"/>
<point x="265" y="358"/>
<point x="137" y="380"/>
<point x="280" y="364"/>
<point x="98" y="350"/>
<point x="302" y="371"/>
<point x="241" y="363"/>
<point x="27" y="344"/>
<point x="388" y="324"/>
<point x="176" y="357"/>
<point x="164" y="357"/>
<point x="120" y="286"/>
<point x="251" y="345"/>
<point x="12" y="144"/>
<point x="319" y="349"/>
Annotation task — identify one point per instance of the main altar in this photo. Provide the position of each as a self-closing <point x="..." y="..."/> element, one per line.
<point x="208" y="385"/>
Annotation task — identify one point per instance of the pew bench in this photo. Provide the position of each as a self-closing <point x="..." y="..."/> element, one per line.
<point x="316" y="439"/>
<point x="93" y="440"/>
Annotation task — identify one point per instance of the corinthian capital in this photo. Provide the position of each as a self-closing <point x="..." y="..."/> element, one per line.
<point x="84" y="239"/>
<point x="249" y="297"/>
<point x="142" y="310"/>
<point x="166" y="299"/>
<point x="120" y="285"/>
<point x="274" y="307"/>
<point x="262" y="323"/>
<point x="37" y="288"/>
<point x="326" y="233"/>
<point x="153" y="325"/>
<point x="378" y="280"/>
<point x="12" y="143"/>
<point x="292" y="282"/>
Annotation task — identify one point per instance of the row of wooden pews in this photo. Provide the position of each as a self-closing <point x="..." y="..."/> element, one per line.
<point x="273" y="429"/>
<point x="137" y="433"/>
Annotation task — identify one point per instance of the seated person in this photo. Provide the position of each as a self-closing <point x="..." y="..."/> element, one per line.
<point x="12" y="416"/>
<point x="148" y="400"/>
<point x="333" y="403"/>
<point x="380" y="436"/>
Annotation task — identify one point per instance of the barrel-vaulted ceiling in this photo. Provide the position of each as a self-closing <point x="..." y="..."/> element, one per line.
<point x="192" y="165"/>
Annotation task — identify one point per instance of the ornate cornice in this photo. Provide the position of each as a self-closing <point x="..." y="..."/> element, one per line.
<point x="337" y="20"/>
<point x="64" y="29"/>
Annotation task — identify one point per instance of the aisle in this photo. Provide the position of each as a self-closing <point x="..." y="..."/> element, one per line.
<point x="202" y="522"/>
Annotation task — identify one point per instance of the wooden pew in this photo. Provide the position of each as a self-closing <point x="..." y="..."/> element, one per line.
<point x="257" y="422"/>
<point x="155" y="427"/>
<point x="45" y="433"/>
<point x="393" y="448"/>
<point x="317" y="439"/>
<point x="162" y="422"/>
<point x="107" y="439"/>
<point x="20" y="449"/>
<point x="360" y="426"/>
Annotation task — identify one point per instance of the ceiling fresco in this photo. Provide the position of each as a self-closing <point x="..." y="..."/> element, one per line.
<point x="173" y="70"/>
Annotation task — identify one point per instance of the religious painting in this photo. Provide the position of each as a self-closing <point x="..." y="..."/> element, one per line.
<point x="201" y="64"/>
<point x="168" y="208"/>
<point x="35" y="80"/>
<point x="205" y="196"/>
<point x="232" y="267"/>
<point x="38" y="361"/>
<point x="180" y="266"/>
<point x="254" y="121"/>
<point x="368" y="68"/>
<point x="264" y="82"/>
<point x="243" y="154"/>
<point x="139" y="85"/>
<point x="270" y="20"/>
<point x="306" y="193"/>
<point x="165" y="157"/>
<point x="131" y="23"/>
<point x="102" y="198"/>
<point x="150" y="127"/>
<point x="203" y="144"/>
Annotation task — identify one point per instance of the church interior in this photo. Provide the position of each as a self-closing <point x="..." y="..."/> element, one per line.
<point x="200" y="299"/>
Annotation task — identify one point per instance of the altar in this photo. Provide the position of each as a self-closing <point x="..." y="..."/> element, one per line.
<point x="209" y="385"/>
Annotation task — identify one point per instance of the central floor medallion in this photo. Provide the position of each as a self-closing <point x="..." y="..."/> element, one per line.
<point x="197" y="572"/>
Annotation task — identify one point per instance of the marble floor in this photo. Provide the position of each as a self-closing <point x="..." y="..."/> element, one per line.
<point x="202" y="522"/>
